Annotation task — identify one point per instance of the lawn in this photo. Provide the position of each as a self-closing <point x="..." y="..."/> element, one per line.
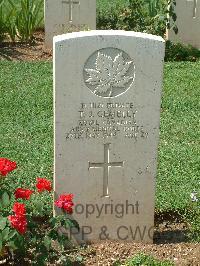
<point x="26" y="114"/>
<point x="178" y="172"/>
<point x="26" y="130"/>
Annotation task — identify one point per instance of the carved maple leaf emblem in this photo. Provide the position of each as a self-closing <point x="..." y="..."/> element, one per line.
<point x="109" y="74"/>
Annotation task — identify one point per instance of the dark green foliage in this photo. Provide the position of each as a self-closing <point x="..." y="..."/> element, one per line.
<point x="150" y="16"/>
<point x="108" y="18"/>
<point x="134" y="17"/>
<point x="181" y="52"/>
<point x="127" y="15"/>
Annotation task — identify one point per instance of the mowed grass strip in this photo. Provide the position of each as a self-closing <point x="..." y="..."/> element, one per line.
<point x="179" y="152"/>
<point x="26" y="130"/>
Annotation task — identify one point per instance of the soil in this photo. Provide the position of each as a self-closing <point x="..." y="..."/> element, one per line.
<point x="35" y="51"/>
<point x="107" y="253"/>
<point x="170" y="242"/>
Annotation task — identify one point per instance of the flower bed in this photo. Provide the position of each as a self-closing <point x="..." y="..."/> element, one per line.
<point x="21" y="230"/>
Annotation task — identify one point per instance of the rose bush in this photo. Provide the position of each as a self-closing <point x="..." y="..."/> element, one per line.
<point x="21" y="230"/>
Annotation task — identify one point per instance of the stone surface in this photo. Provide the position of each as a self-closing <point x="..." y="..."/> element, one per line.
<point x="188" y="23"/>
<point x="62" y="16"/>
<point x="107" y="93"/>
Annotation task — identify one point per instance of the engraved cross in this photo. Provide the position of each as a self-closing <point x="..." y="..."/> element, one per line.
<point x="106" y="166"/>
<point x="195" y="8"/>
<point x="71" y="3"/>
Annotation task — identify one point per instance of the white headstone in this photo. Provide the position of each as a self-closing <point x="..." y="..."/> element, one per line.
<point x="62" y="16"/>
<point x="188" y="23"/>
<point x="107" y="87"/>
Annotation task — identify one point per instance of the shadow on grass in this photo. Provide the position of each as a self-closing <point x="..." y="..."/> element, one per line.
<point x="170" y="228"/>
<point x="9" y="52"/>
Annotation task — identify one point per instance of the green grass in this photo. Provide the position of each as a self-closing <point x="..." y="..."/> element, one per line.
<point x="145" y="260"/>
<point x="26" y="130"/>
<point x="178" y="173"/>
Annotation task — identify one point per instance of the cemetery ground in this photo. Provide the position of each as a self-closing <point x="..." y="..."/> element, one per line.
<point x="20" y="51"/>
<point x="27" y="137"/>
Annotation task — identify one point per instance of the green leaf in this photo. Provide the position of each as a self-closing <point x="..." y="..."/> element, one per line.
<point x="3" y="221"/>
<point x="1" y="243"/>
<point x="69" y="223"/>
<point x="12" y="234"/>
<point x="12" y="245"/>
<point x="34" y="240"/>
<point x="47" y="242"/>
<point x="5" y="233"/>
<point x="53" y="234"/>
<point x="53" y="221"/>
<point x="39" y="206"/>
<point x="5" y="199"/>
<point x="12" y="4"/>
<point x="1" y="2"/>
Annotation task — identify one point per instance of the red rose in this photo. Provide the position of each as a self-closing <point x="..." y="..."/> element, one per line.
<point x="65" y="202"/>
<point x="18" y="222"/>
<point x="43" y="184"/>
<point x="19" y="209"/>
<point x="6" y="166"/>
<point x="67" y="206"/>
<point x="21" y="193"/>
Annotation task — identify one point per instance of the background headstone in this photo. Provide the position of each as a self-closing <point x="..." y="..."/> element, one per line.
<point x="188" y="23"/>
<point x="62" y="16"/>
<point x="107" y="111"/>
